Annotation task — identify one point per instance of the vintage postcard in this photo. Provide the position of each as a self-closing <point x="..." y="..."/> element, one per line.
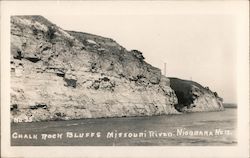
<point x="124" y="79"/>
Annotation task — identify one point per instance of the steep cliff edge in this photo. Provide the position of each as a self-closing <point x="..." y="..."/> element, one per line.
<point x="58" y="74"/>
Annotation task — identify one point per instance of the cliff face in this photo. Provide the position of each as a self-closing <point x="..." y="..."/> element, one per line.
<point x="192" y="97"/>
<point x="58" y="74"/>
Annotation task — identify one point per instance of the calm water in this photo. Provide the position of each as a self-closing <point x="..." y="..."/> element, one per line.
<point x="144" y="131"/>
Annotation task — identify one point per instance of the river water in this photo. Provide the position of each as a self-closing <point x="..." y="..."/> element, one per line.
<point x="190" y="129"/>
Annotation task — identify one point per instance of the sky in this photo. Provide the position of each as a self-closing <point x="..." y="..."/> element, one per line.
<point x="195" y="47"/>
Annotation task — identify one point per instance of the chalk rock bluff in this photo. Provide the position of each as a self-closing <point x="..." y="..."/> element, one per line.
<point x="61" y="75"/>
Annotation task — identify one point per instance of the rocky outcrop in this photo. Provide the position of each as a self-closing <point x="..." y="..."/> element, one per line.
<point x="192" y="97"/>
<point x="58" y="74"/>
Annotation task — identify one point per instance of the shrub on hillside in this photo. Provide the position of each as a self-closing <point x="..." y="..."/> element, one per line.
<point x="51" y="32"/>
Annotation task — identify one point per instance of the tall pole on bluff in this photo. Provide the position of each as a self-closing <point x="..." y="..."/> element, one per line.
<point x="165" y="69"/>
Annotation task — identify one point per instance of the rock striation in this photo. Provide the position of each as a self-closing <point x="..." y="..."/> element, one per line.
<point x="61" y="75"/>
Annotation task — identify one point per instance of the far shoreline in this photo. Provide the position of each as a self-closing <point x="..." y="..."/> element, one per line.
<point x="230" y="105"/>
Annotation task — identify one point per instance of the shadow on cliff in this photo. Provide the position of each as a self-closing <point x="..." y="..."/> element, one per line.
<point x="186" y="92"/>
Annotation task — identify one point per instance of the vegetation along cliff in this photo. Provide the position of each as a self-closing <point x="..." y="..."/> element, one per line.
<point x="61" y="75"/>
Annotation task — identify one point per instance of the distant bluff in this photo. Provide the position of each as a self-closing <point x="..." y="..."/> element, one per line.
<point x="192" y="97"/>
<point x="61" y="75"/>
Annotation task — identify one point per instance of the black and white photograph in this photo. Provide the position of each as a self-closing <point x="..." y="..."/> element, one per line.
<point x="126" y="74"/>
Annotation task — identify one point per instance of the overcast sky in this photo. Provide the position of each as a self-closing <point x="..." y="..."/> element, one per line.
<point x="197" y="47"/>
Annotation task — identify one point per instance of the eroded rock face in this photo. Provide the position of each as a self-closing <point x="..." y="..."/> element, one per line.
<point x="192" y="97"/>
<point x="58" y="74"/>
